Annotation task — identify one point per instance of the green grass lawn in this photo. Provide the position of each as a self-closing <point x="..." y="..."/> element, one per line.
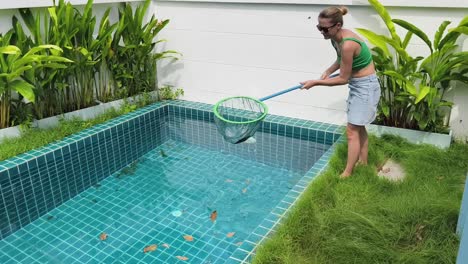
<point x="365" y="219"/>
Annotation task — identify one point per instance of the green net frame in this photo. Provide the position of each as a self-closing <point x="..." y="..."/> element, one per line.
<point x="238" y="118"/>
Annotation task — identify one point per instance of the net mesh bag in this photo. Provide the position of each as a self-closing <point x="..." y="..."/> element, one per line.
<point x="239" y="117"/>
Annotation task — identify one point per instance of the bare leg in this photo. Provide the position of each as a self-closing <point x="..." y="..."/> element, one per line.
<point x="364" y="141"/>
<point x="354" y="148"/>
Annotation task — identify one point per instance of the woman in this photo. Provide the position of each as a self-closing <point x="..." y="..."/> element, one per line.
<point x="357" y="69"/>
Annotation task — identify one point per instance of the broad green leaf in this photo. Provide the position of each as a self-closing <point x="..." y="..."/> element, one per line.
<point x="24" y="88"/>
<point x="449" y="104"/>
<point x="424" y="90"/>
<point x="10" y="49"/>
<point x="440" y="32"/>
<point x="410" y="88"/>
<point x="17" y="72"/>
<point x="85" y="52"/>
<point x="383" y="13"/>
<point x="450" y="38"/>
<point x="53" y="15"/>
<point x="25" y="60"/>
<point x="375" y="39"/>
<point x="385" y="110"/>
<point x="42" y="48"/>
<point x="28" y="18"/>
<point x="464" y="21"/>
<point x="399" y="49"/>
<point x="395" y="75"/>
<point x="50" y="58"/>
<point x="418" y="32"/>
<point x="407" y="39"/>
<point x="463" y="30"/>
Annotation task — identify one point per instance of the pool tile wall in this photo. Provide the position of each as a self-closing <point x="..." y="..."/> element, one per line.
<point x="36" y="182"/>
<point x="307" y="140"/>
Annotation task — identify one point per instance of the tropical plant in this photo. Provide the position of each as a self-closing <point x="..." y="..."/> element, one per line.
<point x="13" y="65"/>
<point x="119" y="62"/>
<point x="413" y="88"/>
<point x="106" y="85"/>
<point x="134" y="62"/>
<point x="44" y="79"/>
<point x="74" y="30"/>
<point x="74" y="87"/>
<point x="168" y="92"/>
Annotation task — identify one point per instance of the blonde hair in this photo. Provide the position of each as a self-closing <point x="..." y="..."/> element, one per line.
<point x="334" y="13"/>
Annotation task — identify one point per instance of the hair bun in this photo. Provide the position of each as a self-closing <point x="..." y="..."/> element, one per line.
<point x="343" y="10"/>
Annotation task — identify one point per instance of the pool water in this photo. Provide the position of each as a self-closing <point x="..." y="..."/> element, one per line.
<point x="168" y="198"/>
<point x="158" y="185"/>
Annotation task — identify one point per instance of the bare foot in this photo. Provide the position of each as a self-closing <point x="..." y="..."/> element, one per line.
<point x="345" y="175"/>
<point x="360" y="162"/>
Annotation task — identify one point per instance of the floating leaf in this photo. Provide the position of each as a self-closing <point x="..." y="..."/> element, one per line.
<point x="103" y="236"/>
<point x="229" y="180"/>
<point x="188" y="238"/>
<point x="165" y="245"/>
<point x="150" y="248"/>
<point x="231" y="234"/>
<point x="213" y="216"/>
<point x="244" y="190"/>
<point x="247" y="181"/>
<point x="182" y="258"/>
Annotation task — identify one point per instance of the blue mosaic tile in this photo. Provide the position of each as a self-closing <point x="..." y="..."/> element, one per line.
<point x="43" y="185"/>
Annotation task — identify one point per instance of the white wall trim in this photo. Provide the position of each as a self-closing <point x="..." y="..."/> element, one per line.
<point x="387" y="3"/>
<point x="46" y="3"/>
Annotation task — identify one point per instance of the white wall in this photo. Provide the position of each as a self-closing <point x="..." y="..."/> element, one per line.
<point x="256" y="49"/>
<point x="46" y="3"/>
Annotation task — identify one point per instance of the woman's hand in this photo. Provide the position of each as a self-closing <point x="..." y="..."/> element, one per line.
<point x="324" y="76"/>
<point x="308" y="84"/>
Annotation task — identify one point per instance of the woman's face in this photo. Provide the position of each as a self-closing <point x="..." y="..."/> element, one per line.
<point x="327" y="27"/>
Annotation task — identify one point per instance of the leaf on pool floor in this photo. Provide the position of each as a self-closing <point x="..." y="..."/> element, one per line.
<point x="50" y="217"/>
<point x="229" y="180"/>
<point x="231" y="234"/>
<point x="103" y="236"/>
<point x="128" y="170"/>
<point x="165" y="245"/>
<point x="150" y="248"/>
<point x="239" y="244"/>
<point x="182" y="258"/>
<point x="213" y="216"/>
<point x="247" y="181"/>
<point x="163" y="154"/>
<point x="244" y="190"/>
<point x="188" y="238"/>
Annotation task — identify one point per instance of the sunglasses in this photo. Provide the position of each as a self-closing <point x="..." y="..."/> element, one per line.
<point x="325" y="29"/>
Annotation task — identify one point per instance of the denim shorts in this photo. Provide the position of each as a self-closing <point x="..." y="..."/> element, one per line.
<point x="364" y="96"/>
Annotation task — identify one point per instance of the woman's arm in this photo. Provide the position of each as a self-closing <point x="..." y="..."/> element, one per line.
<point x="347" y="54"/>
<point x="335" y="66"/>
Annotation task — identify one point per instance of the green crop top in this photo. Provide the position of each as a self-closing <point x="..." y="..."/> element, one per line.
<point x="360" y="61"/>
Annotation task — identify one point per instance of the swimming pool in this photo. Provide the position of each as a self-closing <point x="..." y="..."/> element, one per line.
<point x="158" y="185"/>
